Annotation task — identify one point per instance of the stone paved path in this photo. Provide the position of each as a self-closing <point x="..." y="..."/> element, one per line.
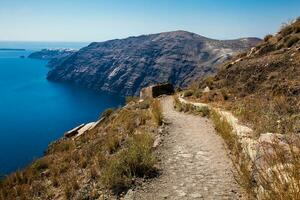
<point x="194" y="162"/>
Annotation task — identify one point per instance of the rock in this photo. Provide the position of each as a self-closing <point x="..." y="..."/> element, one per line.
<point x="129" y="195"/>
<point x="196" y="195"/>
<point x="180" y="193"/>
<point x="165" y="195"/>
<point x="127" y="65"/>
<point x="157" y="90"/>
<point x="206" y="89"/>
<point x="73" y="132"/>
<point x="253" y="49"/>
<point x="84" y="129"/>
<point x="157" y="141"/>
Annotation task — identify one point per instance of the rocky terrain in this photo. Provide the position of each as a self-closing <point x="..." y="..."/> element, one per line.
<point x="127" y="65"/>
<point x="53" y="55"/>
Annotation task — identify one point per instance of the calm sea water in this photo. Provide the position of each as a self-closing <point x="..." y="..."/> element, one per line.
<point x="35" y="112"/>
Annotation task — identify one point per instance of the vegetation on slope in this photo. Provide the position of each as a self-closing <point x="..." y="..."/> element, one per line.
<point x="102" y="163"/>
<point x="262" y="88"/>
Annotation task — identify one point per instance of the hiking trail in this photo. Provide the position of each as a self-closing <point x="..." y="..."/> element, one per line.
<point x="194" y="162"/>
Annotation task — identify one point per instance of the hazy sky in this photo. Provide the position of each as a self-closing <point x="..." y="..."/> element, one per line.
<point x="98" y="20"/>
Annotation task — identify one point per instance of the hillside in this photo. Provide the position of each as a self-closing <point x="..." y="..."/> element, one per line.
<point x="55" y="56"/>
<point x="99" y="161"/>
<point x="254" y="101"/>
<point x="265" y="80"/>
<point x="127" y="65"/>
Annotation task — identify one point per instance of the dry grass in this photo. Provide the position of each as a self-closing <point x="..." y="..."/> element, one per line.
<point x="157" y="112"/>
<point x="136" y="160"/>
<point x="291" y="41"/>
<point x="107" y="113"/>
<point x="278" y="169"/>
<point x="279" y="115"/>
<point x="262" y="90"/>
<point x="187" y="93"/>
<point x="112" y="154"/>
<point x="186" y="107"/>
<point x="132" y="99"/>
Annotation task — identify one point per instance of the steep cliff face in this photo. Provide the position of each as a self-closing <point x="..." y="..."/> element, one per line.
<point x="125" y="66"/>
<point x="55" y="56"/>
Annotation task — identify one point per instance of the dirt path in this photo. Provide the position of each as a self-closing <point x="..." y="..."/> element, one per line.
<point x="194" y="162"/>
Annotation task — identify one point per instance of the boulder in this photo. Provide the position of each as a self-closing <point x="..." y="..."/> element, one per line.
<point x="73" y="132"/>
<point x="157" y="90"/>
<point x="85" y="128"/>
<point x="206" y="89"/>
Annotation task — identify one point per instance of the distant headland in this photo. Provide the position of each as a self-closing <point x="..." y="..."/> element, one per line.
<point x="11" y="49"/>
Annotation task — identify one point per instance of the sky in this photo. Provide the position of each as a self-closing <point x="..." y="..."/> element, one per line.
<point x="100" y="20"/>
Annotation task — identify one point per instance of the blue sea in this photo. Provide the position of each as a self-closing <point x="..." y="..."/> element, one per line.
<point x="34" y="111"/>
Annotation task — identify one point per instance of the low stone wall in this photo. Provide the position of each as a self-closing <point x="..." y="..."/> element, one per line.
<point x="257" y="150"/>
<point x="243" y="133"/>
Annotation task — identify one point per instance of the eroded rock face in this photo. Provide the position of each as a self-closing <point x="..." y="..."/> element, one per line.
<point x="126" y="66"/>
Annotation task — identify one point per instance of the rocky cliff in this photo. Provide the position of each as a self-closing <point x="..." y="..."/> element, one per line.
<point x="127" y="65"/>
<point x="55" y="56"/>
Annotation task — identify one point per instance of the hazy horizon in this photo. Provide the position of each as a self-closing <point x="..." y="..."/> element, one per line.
<point x="81" y="21"/>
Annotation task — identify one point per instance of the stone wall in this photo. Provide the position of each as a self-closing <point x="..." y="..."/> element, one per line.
<point x="157" y="90"/>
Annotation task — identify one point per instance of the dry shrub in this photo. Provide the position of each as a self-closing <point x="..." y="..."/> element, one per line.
<point x="278" y="173"/>
<point x="187" y="93"/>
<point x="291" y="41"/>
<point x="157" y="112"/>
<point x="241" y="161"/>
<point x="125" y="122"/>
<point x="224" y="129"/>
<point x="267" y="37"/>
<point x="279" y="115"/>
<point x="130" y="99"/>
<point x="40" y="164"/>
<point x="61" y="146"/>
<point x="113" y="142"/>
<point x="204" y="111"/>
<point x="145" y="104"/>
<point x="286" y="29"/>
<point x="70" y="187"/>
<point x="105" y="114"/>
<point x="112" y="151"/>
<point x="136" y="160"/>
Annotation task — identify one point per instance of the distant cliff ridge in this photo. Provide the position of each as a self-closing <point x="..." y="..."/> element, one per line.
<point x="55" y="56"/>
<point x="124" y="66"/>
